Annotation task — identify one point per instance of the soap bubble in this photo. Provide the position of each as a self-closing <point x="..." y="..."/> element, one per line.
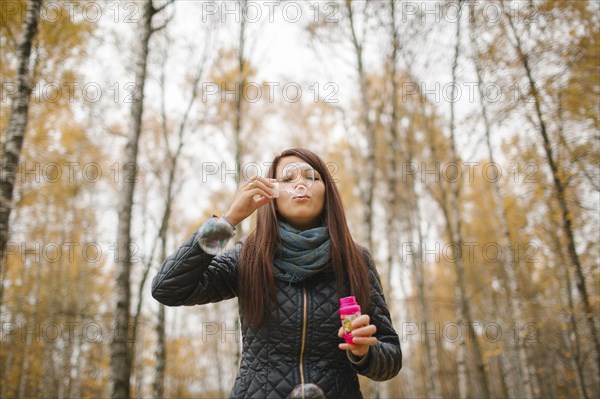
<point x="297" y="178"/>
<point x="307" y="391"/>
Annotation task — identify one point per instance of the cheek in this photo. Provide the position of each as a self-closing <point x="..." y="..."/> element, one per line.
<point x="321" y="196"/>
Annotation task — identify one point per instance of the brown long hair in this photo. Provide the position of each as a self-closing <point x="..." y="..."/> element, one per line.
<point x="255" y="279"/>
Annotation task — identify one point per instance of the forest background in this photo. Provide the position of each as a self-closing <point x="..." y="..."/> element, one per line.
<point x="463" y="135"/>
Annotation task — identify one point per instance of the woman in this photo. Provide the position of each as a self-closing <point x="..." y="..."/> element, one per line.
<point x="288" y="276"/>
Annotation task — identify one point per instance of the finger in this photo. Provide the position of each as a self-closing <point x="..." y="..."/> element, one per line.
<point x="368" y="341"/>
<point x="262" y="200"/>
<point x="365" y="331"/>
<point x="348" y="347"/>
<point x="359" y="344"/>
<point x="257" y="187"/>
<point x="258" y="184"/>
<point x="341" y="332"/>
<point x="257" y="180"/>
<point x="362" y="320"/>
<point x="259" y="195"/>
<point x="269" y="182"/>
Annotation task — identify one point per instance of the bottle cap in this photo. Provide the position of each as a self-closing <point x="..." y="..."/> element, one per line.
<point x="347" y="301"/>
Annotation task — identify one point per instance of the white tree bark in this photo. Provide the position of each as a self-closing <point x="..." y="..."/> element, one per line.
<point x="369" y="134"/>
<point x="463" y="308"/>
<point x="508" y="264"/>
<point x="31" y="322"/>
<point x="17" y="125"/>
<point x="559" y="185"/>
<point x="120" y="346"/>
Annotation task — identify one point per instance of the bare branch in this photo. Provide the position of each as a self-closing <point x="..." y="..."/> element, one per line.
<point x="161" y="8"/>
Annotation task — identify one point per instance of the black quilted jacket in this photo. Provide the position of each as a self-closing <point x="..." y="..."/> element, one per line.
<point x="298" y="345"/>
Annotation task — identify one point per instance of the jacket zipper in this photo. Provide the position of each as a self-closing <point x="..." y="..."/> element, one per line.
<point x="304" y="320"/>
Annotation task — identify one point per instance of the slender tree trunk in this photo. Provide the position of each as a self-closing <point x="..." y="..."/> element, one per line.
<point x="239" y="150"/>
<point x="576" y="360"/>
<point x="160" y="354"/>
<point x="17" y="126"/>
<point x="369" y="180"/>
<point x="139" y="374"/>
<point x="11" y="345"/>
<point x="559" y="188"/>
<point x="564" y="278"/>
<point x="32" y="321"/>
<point x="432" y="369"/>
<point x="74" y="364"/>
<point x="498" y="310"/>
<point x="173" y="157"/>
<point x="461" y="365"/>
<point x="25" y="366"/>
<point x="392" y="227"/>
<point x="461" y="350"/>
<point x="217" y="354"/>
<point x="66" y="309"/>
<point x="53" y="358"/>
<point x="392" y="154"/>
<point x="503" y="373"/>
<point x="514" y="301"/>
<point x="50" y="382"/>
<point x="515" y="305"/>
<point x="120" y="350"/>
<point x="455" y="236"/>
<point x="238" y="122"/>
<point x="459" y="291"/>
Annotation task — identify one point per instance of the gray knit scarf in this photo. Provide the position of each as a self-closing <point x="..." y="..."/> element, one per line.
<point x="301" y="254"/>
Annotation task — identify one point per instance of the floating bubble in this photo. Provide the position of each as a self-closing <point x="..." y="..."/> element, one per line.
<point x="307" y="391"/>
<point x="297" y="178"/>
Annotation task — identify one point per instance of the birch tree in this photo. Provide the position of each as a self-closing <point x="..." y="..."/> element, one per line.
<point x="120" y="350"/>
<point x="358" y="43"/>
<point x="173" y="156"/>
<point x="352" y="28"/>
<point x="418" y="266"/>
<point x="516" y="41"/>
<point x="515" y="305"/>
<point x="17" y="126"/>
<point x="394" y="149"/>
<point x="453" y="216"/>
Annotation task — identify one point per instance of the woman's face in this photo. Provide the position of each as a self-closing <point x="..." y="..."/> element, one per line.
<point x="301" y="193"/>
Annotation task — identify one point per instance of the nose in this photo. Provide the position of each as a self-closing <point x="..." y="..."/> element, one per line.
<point x="300" y="188"/>
<point x="301" y="182"/>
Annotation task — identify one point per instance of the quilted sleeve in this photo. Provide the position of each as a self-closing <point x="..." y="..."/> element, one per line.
<point x="191" y="276"/>
<point x="384" y="359"/>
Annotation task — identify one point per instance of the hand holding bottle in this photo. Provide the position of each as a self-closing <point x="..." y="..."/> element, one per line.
<point x="362" y="337"/>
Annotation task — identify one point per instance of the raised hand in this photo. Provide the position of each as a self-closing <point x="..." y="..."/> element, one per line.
<point x="251" y="195"/>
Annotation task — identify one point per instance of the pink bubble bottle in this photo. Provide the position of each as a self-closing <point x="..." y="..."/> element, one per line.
<point x="349" y="310"/>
